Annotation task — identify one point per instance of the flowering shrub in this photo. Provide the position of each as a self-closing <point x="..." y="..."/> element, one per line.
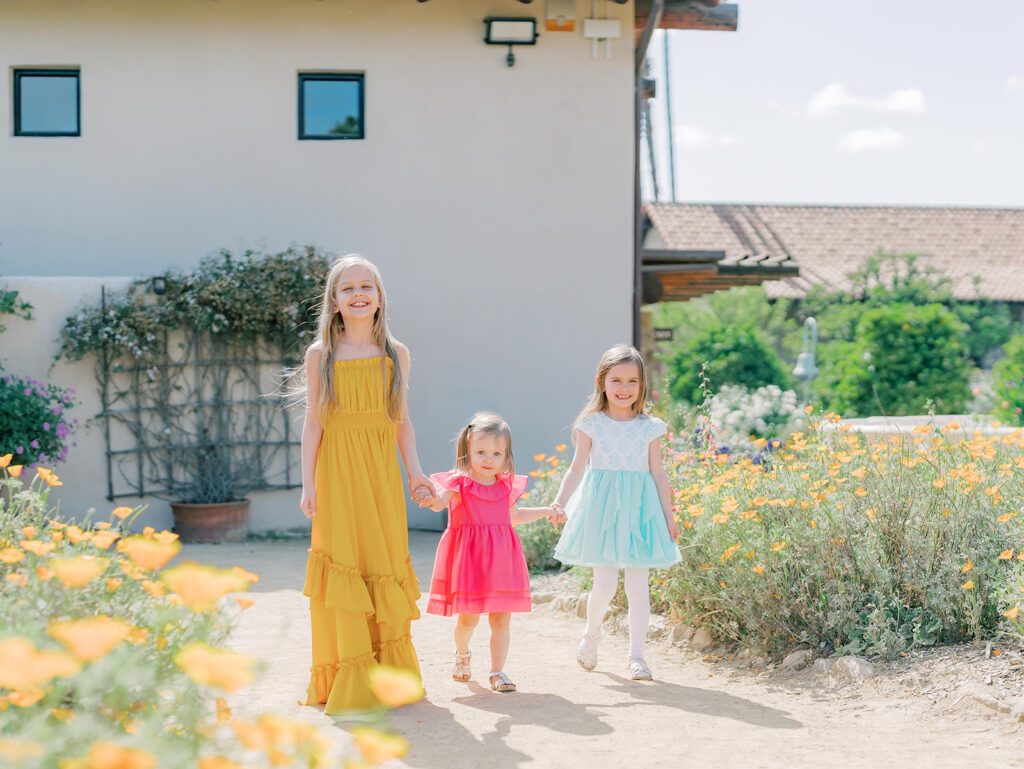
<point x="253" y="299"/>
<point x="851" y="545"/>
<point x="540" y="537"/>
<point x="107" y="659"/>
<point x="10" y="304"/>
<point x="1008" y="382"/>
<point x="740" y="417"/>
<point x="34" y="424"/>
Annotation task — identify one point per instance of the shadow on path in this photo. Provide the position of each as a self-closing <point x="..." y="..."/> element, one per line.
<point x="706" y="702"/>
<point x="437" y="739"/>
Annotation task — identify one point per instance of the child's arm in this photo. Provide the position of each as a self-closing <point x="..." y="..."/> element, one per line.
<point x="527" y="514"/>
<point x="419" y="485"/>
<point x="574" y="474"/>
<point x="661" y="482"/>
<point x="312" y="431"/>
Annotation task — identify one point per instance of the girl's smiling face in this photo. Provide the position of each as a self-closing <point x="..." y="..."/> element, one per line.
<point x="356" y="294"/>
<point x="488" y="455"/>
<point x="622" y="385"/>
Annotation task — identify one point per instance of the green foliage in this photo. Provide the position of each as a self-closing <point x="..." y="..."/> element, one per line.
<point x="1008" y="382"/>
<point x="851" y="546"/>
<point x="10" y="304"/>
<point x="735" y="355"/>
<point x="250" y="299"/>
<point x="902" y="357"/>
<point x="886" y="279"/>
<point x="34" y="423"/>
<point x="540" y="537"/>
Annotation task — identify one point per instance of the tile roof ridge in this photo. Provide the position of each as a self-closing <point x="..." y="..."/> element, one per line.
<point x="900" y="206"/>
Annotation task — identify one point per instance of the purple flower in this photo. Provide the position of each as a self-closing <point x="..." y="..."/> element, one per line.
<point x="34" y="444"/>
<point x="28" y="391"/>
<point x="56" y="411"/>
<point x="46" y="425"/>
<point x="67" y="399"/>
<point x="19" y="449"/>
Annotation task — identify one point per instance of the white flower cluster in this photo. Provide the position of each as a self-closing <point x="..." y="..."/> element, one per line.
<point x="738" y="415"/>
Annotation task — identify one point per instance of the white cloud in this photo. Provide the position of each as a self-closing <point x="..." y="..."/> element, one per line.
<point x="871" y="139"/>
<point x="1015" y="83"/>
<point x="836" y="97"/>
<point x="689" y="135"/>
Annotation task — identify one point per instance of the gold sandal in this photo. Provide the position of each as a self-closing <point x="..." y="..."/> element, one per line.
<point x="461" y="672"/>
<point x="500" y="682"/>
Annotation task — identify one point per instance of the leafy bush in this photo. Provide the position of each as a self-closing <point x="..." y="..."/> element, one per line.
<point x="34" y="424"/>
<point x="250" y="299"/>
<point x="540" y="537"/>
<point x="849" y="545"/>
<point x="885" y="279"/>
<point x="107" y="659"/>
<point x="1008" y="381"/>
<point x="735" y="355"/>
<point x="902" y="357"/>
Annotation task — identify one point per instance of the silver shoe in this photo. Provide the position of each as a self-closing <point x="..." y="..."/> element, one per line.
<point x="638" y="669"/>
<point x="586" y="655"/>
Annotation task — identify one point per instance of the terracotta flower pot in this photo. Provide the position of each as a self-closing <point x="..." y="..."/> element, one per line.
<point x="215" y="522"/>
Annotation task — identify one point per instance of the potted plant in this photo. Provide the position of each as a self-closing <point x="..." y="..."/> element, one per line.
<point x="210" y="487"/>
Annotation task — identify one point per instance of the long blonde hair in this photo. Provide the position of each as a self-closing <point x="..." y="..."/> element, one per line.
<point x="598" y="401"/>
<point x="330" y="326"/>
<point x="487" y="423"/>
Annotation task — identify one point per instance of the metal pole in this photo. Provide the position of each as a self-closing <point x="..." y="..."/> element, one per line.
<point x="668" y="114"/>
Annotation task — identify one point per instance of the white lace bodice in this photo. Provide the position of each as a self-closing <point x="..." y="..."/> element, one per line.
<point x="621" y="445"/>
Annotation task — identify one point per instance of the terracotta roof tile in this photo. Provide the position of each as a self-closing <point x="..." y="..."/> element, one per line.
<point x="828" y="242"/>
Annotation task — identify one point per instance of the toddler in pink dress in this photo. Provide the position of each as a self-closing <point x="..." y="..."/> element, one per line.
<point x="480" y="567"/>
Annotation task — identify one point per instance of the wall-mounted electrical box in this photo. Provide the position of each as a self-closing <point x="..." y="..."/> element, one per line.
<point x="561" y="16"/>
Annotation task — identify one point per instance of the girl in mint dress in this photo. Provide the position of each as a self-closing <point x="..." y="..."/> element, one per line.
<point x="618" y="503"/>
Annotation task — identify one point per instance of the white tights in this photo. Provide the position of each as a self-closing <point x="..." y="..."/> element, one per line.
<point x="606" y="580"/>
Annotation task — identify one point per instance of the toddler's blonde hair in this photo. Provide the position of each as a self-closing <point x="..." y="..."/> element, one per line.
<point x="485" y="423"/>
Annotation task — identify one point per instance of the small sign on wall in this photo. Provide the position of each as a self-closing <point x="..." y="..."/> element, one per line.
<point x="663" y="334"/>
<point x="561" y="16"/>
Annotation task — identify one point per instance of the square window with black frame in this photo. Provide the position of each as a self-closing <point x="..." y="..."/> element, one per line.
<point x="331" y="106"/>
<point x="47" y="102"/>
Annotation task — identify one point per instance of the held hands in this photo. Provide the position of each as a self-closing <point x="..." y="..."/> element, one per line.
<point x="673" y="528"/>
<point x="422" y="490"/>
<point x="557" y="514"/>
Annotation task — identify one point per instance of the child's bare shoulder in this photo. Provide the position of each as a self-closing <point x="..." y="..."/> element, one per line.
<point x="313" y="352"/>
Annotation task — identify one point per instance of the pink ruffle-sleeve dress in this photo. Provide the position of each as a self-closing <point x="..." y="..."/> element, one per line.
<point x="480" y="566"/>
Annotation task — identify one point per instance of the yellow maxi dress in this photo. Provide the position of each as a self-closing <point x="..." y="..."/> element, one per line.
<point x="359" y="579"/>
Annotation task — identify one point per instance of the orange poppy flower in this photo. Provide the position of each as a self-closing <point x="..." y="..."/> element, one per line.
<point x="6" y="460"/>
<point x="378" y="747"/>
<point x="200" y="586"/>
<point x="394" y="686"/>
<point x="90" y="639"/>
<point x="122" y="512"/>
<point x="225" y="670"/>
<point x="14" y="470"/>
<point x="23" y="666"/>
<point x="108" y="755"/>
<point x="37" y="547"/>
<point x="11" y="555"/>
<point x="79" y="571"/>
<point x="147" y="553"/>
<point x="104" y="539"/>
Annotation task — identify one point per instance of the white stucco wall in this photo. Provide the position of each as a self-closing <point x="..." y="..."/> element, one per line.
<point x="497" y="201"/>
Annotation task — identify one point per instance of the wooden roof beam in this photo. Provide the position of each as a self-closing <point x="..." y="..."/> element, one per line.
<point x="708" y="15"/>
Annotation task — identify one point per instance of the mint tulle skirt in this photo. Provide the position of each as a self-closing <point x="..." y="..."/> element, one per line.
<point x="615" y="519"/>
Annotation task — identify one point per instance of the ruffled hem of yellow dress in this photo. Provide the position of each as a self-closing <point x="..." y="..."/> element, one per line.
<point x="343" y="588"/>
<point x="346" y="681"/>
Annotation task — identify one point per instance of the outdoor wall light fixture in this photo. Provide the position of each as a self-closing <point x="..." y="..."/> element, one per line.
<point x="508" y="31"/>
<point x="159" y="286"/>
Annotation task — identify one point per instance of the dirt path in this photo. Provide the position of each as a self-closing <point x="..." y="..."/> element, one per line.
<point x="693" y="714"/>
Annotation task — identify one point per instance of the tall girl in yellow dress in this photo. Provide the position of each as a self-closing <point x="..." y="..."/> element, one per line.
<point x="359" y="579"/>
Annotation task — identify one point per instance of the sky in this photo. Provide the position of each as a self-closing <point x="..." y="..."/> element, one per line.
<point x="909" y="102"/>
